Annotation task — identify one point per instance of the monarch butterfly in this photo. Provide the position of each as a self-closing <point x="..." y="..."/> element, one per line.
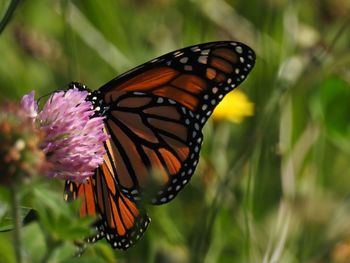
<point x="154" y="115"/>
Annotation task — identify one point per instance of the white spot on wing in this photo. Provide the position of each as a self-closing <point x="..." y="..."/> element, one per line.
<point x="178" y="53"/>
<point x="203" y="60"/>
<point x="184" y="60"/>
<point x="239" y="49"/>
<point x="195" y="49"/>
<point x="205" y="52"/>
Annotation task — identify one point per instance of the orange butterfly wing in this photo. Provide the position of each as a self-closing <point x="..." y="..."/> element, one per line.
<point x="154" y="145"/>
<point x="154" y="115"/>
<point x="119" y="219"/>
<point x="84" y="191"/>
<point x="188" y="75"/>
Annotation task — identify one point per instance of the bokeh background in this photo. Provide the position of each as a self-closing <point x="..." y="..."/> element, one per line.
<point x="272" y="185"/>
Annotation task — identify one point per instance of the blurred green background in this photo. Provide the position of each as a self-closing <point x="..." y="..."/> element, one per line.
<point x="273" y="188"/>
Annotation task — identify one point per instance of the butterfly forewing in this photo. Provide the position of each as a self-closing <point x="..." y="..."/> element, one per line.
<point x="119" y="218"/>
<point x="84" y="191"/>
<point x="122" y="222"/>
<point x="197" y="77"/>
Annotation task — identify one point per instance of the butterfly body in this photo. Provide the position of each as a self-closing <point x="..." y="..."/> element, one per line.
<point x="154" y="115"/>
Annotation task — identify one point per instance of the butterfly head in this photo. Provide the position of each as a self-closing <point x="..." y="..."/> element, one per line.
<point x="79" y="86"/>
<point x="94" y="97"/>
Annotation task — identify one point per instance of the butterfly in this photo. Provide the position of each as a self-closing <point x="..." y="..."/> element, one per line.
<point x="154" y="115"/>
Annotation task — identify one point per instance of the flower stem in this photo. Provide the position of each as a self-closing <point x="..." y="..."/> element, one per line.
<point x="9" y="12"/>
<point x="17" y="223"/>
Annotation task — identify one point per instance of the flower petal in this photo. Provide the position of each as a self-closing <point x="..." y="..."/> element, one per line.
<point x="29" y="105"/>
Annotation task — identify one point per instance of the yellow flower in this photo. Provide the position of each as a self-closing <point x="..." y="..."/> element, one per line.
<point x="234" y="107"/>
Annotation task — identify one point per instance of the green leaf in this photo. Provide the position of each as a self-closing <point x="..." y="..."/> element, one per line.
<point x="6" y="248"/>
<point x="335" y="109"/>
<point x="59" y="218"/>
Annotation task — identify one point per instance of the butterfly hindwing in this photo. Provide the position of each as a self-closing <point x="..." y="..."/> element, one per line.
<point x="154" y="144"/>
